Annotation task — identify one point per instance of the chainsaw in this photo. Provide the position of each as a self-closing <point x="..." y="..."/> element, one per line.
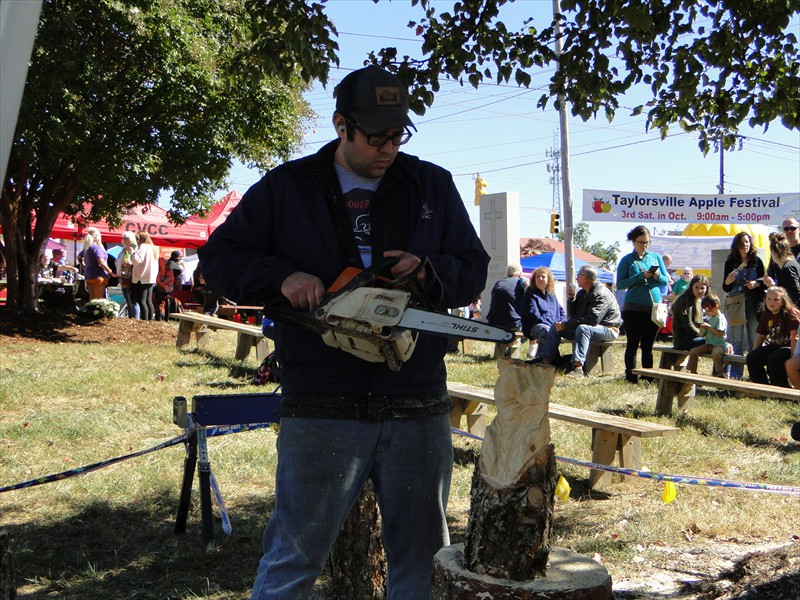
<point x="378" y="319"/>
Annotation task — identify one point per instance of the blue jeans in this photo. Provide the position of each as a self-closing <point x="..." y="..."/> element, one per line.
<point x="133" y="308"/>
<point x="582" y="336"/>
<point x="742" y="338"/>
<point x="322" y="467"/>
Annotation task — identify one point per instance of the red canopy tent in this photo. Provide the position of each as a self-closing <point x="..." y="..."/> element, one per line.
<point x="152" y="219"/>
<point x="219" y="212"/>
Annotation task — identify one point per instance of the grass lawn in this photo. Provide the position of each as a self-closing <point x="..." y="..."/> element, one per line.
<point x="109" y="533"/>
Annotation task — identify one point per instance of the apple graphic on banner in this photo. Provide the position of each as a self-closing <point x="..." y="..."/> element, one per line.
<point x="597" y="205"/>
<point x="606" y="207"/>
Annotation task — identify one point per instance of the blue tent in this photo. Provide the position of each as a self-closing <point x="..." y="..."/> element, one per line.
<point x="555" y="262"/>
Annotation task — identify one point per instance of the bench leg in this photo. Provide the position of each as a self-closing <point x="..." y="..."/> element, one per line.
<point x="606" y="359"/>
<point x="244" y="342"/>
<point x="475" y="412"/>
<point x="604" y="448"/>
<point x="630" y="453"/>
<point x="666" y="394"/>
<point x="262" y="348"/>
<point x="592" y="357"/>
<point x="185" y="329"/>
<point x="202" y="334"/>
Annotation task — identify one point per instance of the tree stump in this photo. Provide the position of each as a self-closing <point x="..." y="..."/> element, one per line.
<point x="357" y="560"/>
<point x="507" y="551"/>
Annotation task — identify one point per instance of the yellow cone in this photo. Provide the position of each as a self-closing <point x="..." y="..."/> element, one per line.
<point x="669" y="492"/>
<point x="563" y="489"/>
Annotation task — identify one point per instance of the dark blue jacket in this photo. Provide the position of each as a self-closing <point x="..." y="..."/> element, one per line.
<point x="538" y="307"/>
<point x="506" y="296"/>
<point x="294" y="220"/>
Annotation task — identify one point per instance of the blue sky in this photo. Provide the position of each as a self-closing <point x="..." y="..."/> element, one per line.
<point x="497" y="131"/>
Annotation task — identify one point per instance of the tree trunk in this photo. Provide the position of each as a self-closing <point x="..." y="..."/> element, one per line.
<point x="357" y="560"/>
<point x="513" y="486"/>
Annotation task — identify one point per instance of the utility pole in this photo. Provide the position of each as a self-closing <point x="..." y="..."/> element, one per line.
<point x="569" y="253"/>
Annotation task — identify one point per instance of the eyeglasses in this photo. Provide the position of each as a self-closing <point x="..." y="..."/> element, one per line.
<point x="640" y="243"/>
<point x="379" y="139"/>
<point x="790" y="228"/>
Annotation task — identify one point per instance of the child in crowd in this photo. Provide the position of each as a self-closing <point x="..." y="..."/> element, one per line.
<point x="713" y="329"/>
<point x="776" y="338"/>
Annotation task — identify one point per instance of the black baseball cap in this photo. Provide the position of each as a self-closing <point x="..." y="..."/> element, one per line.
<point x="374" y="99"/>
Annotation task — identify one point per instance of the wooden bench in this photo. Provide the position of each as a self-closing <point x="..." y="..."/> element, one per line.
<point x="674" y="359"/>
<point x="673" y="382"/>
<point x="611" y="434"/>
<point x="601" y="352"/>
<point x="511" y="349"/>
<point x="202" y="325"/>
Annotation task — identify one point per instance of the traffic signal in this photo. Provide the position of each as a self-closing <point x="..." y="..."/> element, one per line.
<point x="480" y="189"/>
<point x="554" y="222"/>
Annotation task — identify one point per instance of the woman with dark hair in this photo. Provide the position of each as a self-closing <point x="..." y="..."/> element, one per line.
<point x="540" y="308"/>
<point x="642" y="274"/>
<point x="687" y="314"/>
<point x="744" y="288"/>
<point x="787" y="269"/>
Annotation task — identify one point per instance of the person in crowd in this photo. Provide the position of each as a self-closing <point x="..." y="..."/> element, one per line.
<point x="43" y="270"/>
<point x="666" y="290"/>
<point x="787" y="269"/>
<point x="203" y="293"/>
<point x="793" y="365"/>
<point x="343" y="419"/>
<point x="95" y="264"/>
<point x="540" y="308"/>
<point x="791" y="229"/>
<point x="178" y="267"/>
<point x="475" y="309"/>
<point x="687" y="314"/>
<point x="163" y="288"/>
<point x="742" y="283"/>
<point x="776" y="339"/>
<point x="593" y="316"/>
<point x="641" y="273"/>
<point x="714" y="329"/>
<point x="145" y="273"/>
<point x="59" y="267"/>
<point x="506" y="298"/>
<point x="125" y="273"/>
<point x="682" y="283"/>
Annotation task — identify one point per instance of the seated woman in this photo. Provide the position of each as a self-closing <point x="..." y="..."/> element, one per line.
<point x="687" y="315"/>
<point x="776" y="337"/>
<point x="540" y="308"/>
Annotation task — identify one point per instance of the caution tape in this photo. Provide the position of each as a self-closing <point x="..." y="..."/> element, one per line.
<point x="682" y="479"/>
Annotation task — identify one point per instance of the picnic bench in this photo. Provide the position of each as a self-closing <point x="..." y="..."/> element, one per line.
<point x="673" y="383"/>
<point x="673" y="359"/>
<point x="611" y="434"/>
<point x="202" y="326"/>
<point x="599" y="352"/>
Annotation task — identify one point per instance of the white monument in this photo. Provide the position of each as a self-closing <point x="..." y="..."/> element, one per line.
<point x="499" y="231"/>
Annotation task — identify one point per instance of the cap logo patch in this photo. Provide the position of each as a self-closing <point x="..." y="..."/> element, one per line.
<point x="388" y="96"/>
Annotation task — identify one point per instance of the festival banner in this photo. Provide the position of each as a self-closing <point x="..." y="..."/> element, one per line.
<point x="640" y="207"/>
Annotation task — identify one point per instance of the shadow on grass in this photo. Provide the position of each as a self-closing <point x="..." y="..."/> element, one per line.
<point x="106" y="551"/>
<point x="236" y="369"/>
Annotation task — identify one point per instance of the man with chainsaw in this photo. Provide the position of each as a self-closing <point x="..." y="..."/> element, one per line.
<point x="347" y="415"/>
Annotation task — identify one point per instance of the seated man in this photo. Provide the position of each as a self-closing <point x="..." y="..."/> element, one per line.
<point x="592" y="316"/>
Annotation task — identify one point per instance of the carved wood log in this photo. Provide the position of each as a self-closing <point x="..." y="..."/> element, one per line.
<point x="513" y="486"/>
<point x="357" y="560"/>
<point x="507" y="551"/>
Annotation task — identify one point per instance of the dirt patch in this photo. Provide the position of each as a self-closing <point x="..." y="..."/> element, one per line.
<point x="55" y="327"/>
